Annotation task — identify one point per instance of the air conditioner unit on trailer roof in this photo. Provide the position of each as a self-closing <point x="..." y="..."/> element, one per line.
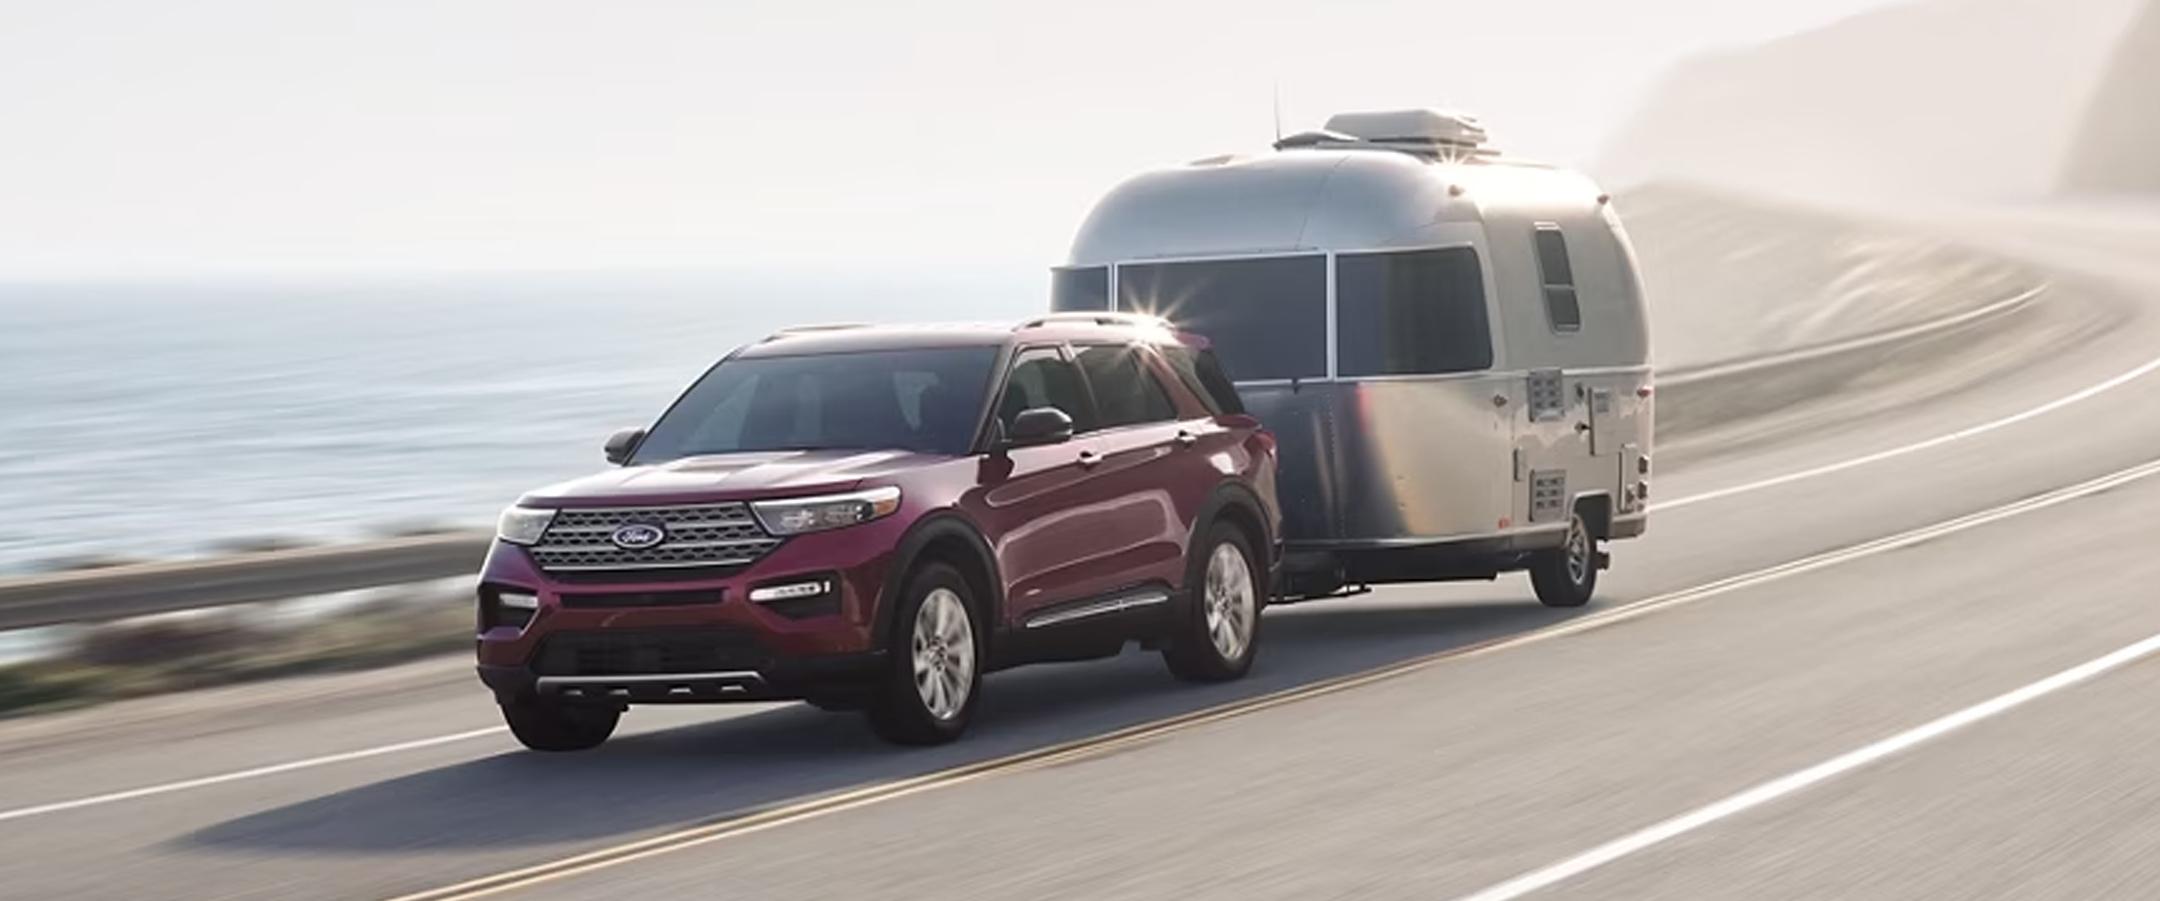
<point x="1424" y="131"/>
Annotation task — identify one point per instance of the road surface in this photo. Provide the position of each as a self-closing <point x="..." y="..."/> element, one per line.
<point x="1903" y="659"/>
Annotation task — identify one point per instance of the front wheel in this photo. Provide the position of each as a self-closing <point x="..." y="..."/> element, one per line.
<point x="1566" y="576"/>
<point x="554" y="726"/>
<point x="933" y="673"/>
<point x="1218" y="632"/>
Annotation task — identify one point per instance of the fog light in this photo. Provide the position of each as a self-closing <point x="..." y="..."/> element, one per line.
<point x="773" y="593"/>
<point x="517" y="601"/>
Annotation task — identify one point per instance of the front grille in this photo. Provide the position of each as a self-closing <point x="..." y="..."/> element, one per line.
<point x="647" y="653"/>
<point x="705" y="536"/>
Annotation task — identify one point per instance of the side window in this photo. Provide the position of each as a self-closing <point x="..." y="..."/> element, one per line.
<point x="1085" y="289"/>
<point x="1419" y="312"/>
<point x="1266" y="317"/>
<point x="1559" y="278"/>
<point x="1042" y="378"/>
<point x="1203" y="375"/>
<point x="1126" y="393"/>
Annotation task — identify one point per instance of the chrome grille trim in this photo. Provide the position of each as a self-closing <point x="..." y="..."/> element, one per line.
<point x="698" y="535"/>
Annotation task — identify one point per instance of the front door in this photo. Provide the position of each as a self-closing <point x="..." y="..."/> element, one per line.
<point x="1035" y="502"/>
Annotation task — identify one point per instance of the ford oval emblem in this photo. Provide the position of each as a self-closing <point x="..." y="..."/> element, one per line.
<point x="638" y="536"/>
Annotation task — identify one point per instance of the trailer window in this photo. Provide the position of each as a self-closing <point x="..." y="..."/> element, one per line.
<point x="1413" y="313"/>
<point x="1080" y="290"/>
<point x="1204" y="377"/>
<point x="1265" y="316"/>
<point x="1559" y="277"/>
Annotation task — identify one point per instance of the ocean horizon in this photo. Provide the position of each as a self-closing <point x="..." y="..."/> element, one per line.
<point x="163" y="419"/>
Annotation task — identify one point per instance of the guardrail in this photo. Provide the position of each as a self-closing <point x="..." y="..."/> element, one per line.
<point x="1689" y="398"/>
<point x="120" y="592"/>
<point x="1696" y="398"/>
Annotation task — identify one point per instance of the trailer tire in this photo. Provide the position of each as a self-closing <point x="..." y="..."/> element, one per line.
<point x="1566" y="576"/>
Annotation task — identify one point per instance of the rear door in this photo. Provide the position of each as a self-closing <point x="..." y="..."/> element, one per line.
<point x="1146" y="502"/>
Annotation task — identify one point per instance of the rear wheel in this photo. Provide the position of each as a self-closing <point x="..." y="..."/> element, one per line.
<point x="544" y="725"/>
<point x="933" y="674"/>
<point x="1218" y="633"/>
<point x="1566" y="576"/>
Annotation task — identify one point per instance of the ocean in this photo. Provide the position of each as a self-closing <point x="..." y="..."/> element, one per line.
<point x="146" y="420"/>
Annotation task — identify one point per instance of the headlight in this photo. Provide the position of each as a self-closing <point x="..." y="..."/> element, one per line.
<point x="796" y="516"/>
<point x="523" y="525"/>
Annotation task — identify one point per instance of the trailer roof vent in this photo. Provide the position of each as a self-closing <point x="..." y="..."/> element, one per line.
<point x="1431" y="133"/>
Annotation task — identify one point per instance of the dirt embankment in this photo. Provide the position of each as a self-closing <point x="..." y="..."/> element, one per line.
<point x="1731" y="277"/>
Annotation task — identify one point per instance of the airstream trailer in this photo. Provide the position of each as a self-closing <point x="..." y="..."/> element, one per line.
<point x="1450" y="345"/>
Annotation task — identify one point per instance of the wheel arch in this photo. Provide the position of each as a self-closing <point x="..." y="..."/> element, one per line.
<point x="1236" y="503"/>
<point x="950" y="538"/>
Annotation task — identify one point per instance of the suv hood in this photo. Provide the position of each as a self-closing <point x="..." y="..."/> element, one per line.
<point x="730" y="477"/>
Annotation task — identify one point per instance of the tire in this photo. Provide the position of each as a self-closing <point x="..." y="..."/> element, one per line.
<point x="551" y="726"/>
<point x="1566" y="576"/>
<point x="936" y="652"/>
<point x="1217" y="634"/>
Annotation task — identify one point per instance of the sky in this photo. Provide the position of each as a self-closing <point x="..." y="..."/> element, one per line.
<point x="148" y="137"/>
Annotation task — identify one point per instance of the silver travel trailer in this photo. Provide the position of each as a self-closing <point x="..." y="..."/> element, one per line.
<point x="1450" y="345"/>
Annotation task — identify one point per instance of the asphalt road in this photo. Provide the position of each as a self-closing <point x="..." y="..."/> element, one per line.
<point x="1446" y="781"/>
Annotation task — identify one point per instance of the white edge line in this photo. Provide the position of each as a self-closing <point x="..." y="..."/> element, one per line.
<point x="167" y="788"/>
<point x="206" y="781"/>
<point x="1789" y="784"/>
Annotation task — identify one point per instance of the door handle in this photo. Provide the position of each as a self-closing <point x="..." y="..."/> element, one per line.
<point x="1089" y="458"/>
<point x="1186" y="439"/>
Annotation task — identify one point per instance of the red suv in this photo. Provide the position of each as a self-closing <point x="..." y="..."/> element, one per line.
<point x="871" y="518"/>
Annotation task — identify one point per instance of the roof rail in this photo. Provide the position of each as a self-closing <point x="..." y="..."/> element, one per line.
<point x="1100" y="317"/>
<point x="807" y="329"/>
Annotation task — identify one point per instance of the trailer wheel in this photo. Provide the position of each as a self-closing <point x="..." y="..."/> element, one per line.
<point x="1566" y="576"/>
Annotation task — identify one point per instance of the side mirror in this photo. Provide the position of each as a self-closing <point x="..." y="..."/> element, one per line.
<point x="1039" y="426"/>
<point x="619" y="445"/>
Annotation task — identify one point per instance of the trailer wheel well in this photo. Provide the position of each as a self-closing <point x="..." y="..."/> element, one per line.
<point x="1596" y="513"/>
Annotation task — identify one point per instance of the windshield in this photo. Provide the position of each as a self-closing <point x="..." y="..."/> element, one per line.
<point x="926" y="401"/>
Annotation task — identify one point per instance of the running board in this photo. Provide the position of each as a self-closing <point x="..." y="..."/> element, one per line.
<point x="1089" y="609"/>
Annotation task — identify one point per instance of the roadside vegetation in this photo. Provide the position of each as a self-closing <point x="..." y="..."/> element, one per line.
<point x="106" y="663"/>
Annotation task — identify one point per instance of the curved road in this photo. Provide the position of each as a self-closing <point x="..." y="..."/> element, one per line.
<point x="1769" y="700"/>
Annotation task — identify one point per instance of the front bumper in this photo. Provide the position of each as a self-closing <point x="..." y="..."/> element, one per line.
<point x="687" y="639"/>
<point x="776" y="680"/>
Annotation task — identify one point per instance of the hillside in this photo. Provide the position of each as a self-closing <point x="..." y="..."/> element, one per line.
<point x="1730" y="277"/>
<point x="2117" y="147"/>
<point x="1943" y="98"/>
